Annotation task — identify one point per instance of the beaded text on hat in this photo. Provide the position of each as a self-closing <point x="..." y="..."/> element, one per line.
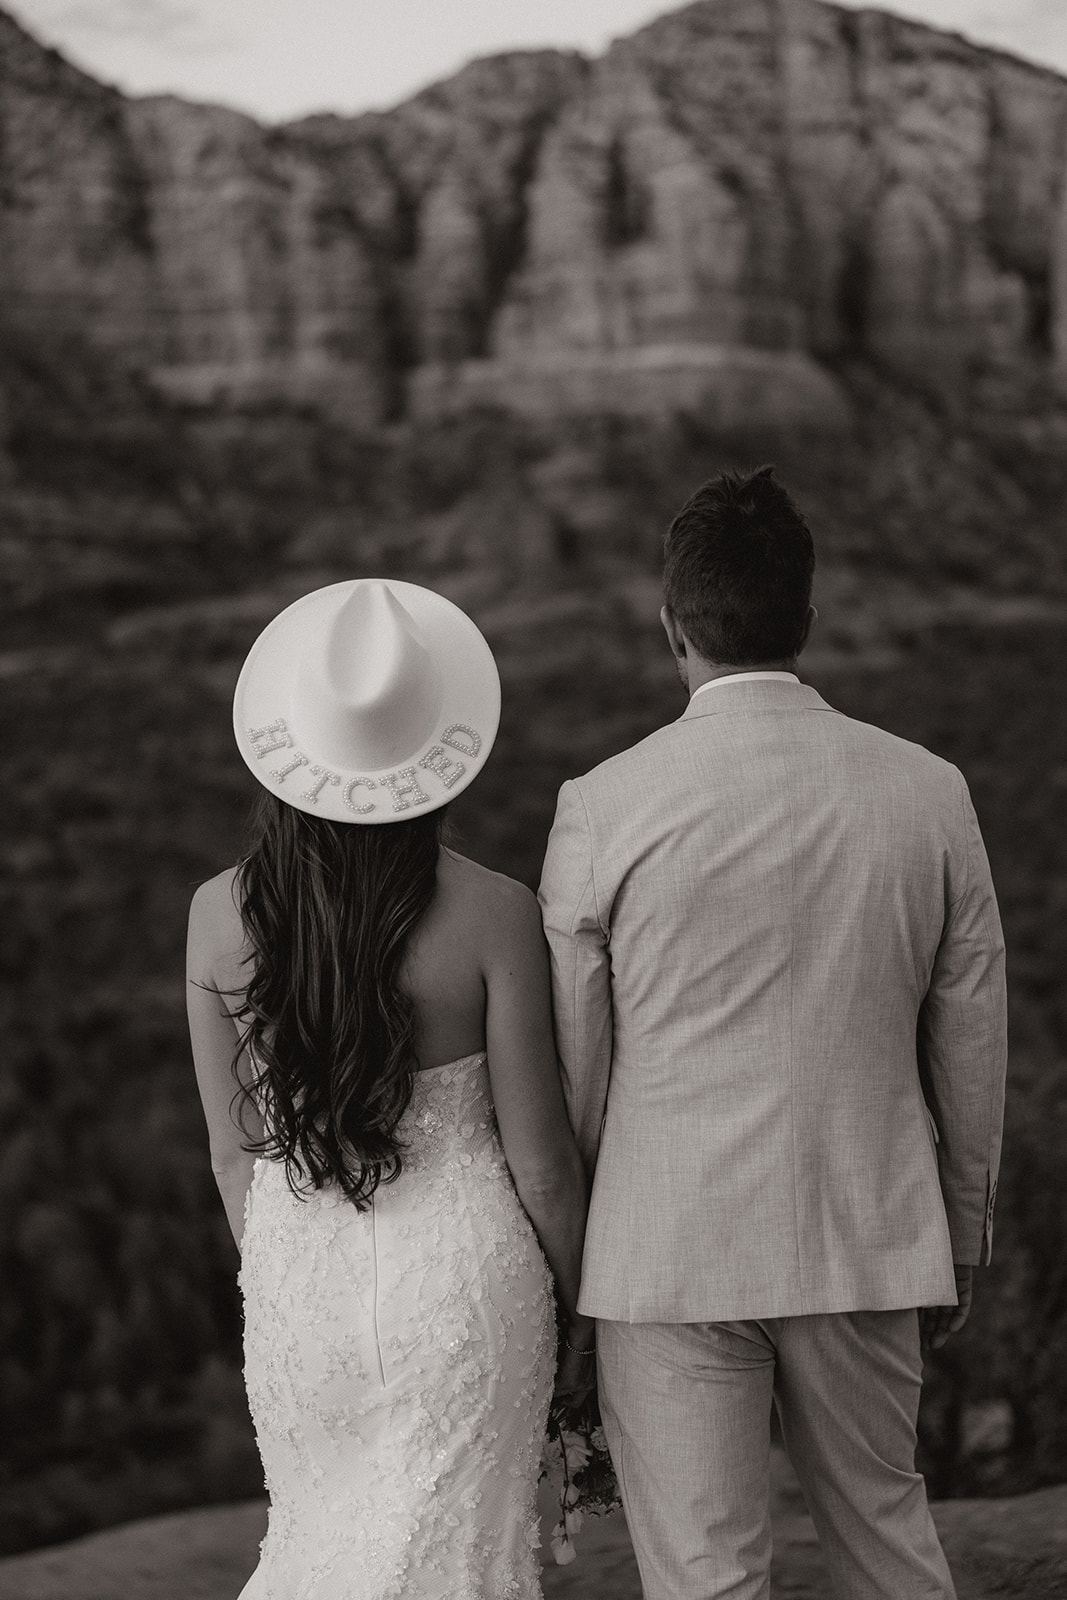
<point x="403" y="785"/>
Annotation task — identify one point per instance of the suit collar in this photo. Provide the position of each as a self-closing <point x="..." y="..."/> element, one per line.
<point x="769" y="694"/>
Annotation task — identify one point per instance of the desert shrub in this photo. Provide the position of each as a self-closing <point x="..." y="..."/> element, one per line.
<point x="120" y="1388"/>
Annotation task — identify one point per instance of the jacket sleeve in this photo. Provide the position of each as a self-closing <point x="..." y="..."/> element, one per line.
<point x="581" y="970"/>
<point x="962" y="1040"/>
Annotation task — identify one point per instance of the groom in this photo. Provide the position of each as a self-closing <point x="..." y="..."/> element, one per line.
<point x="778" y="978"/>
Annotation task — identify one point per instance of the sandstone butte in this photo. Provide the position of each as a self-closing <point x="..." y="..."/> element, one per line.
<point x="717" y="212"/>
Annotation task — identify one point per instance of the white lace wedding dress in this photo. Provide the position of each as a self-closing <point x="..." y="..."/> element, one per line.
<point x="399" y="1364"/>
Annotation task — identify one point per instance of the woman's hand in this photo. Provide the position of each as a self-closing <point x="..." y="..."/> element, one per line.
<point x="576" y="1373"/>
<point x="575" y="1376"/>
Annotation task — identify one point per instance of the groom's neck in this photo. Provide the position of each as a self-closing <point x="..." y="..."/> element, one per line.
<point x="698" y="671"/>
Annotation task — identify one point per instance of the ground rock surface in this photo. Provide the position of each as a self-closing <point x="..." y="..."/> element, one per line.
<point x="1013" y="1549"/>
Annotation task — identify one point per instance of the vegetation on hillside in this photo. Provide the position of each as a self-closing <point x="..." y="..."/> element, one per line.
<point x="143" y="550"/>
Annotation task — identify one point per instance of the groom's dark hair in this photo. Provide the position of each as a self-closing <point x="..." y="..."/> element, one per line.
<point x="738" y="566"/>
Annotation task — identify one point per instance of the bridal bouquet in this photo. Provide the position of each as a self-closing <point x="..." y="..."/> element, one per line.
<point x="575" y="1440"/>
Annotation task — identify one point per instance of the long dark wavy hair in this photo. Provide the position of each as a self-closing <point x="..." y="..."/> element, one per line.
<point x="328" y="909"/>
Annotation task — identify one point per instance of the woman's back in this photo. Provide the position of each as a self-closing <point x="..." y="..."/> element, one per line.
<point x="444" y="969"/>
<point x="472" y="925"/>
<point x="399" y="1359"/>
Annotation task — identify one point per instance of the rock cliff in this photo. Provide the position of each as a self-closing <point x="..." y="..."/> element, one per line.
<point x="716" y="211"/>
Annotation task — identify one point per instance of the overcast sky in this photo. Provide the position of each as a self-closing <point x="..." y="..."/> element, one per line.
<point x="282" y="58"/>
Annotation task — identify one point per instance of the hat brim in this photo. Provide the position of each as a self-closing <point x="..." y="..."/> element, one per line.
<point x="266" y="715"/>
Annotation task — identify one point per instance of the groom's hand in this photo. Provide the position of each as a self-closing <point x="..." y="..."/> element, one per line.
<point x="937" y="1322"/>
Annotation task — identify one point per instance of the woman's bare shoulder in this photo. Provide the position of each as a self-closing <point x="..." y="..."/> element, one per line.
<point x="505" y="908"/>
<point x="215" y="901"/>
<point x="215" y="927"/>
<point x="471" y="877"/>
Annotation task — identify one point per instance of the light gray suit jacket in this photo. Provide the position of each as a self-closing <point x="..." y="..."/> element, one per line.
<point x="779" y="986"/>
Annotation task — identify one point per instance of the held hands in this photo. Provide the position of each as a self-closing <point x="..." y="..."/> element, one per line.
<point x="937" y="1322"/>
<point x="576" y="1372"/>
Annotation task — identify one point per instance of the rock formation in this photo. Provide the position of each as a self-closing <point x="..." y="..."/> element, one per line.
<point x="715" y="212"/>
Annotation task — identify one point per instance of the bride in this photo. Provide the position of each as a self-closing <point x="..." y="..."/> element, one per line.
<point x="371" y="1029"/>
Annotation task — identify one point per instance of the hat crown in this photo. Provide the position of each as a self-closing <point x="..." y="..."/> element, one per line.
<point x="367" y="701"/>
<point x="369" y="687"/>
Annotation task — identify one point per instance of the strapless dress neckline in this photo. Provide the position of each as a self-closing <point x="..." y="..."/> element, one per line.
<point x="459" y="1065"/>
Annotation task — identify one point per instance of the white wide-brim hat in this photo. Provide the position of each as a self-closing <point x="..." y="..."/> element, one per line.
<point x="368" y="701"/>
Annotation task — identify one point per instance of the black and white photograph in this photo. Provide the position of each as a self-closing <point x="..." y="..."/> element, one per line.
<point x="533" y="877"/>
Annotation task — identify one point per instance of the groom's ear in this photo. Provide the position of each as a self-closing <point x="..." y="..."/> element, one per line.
<point x="812" y="619"/>
<point x="675" y="636"/>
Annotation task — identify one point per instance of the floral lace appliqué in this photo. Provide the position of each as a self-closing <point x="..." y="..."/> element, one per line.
<point x="399" y="1364"/>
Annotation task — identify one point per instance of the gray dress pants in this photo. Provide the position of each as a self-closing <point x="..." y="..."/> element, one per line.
<point x="687" y="1410"/>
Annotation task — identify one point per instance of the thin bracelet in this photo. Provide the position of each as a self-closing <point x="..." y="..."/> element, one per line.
<point x="575" y="1352"/>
